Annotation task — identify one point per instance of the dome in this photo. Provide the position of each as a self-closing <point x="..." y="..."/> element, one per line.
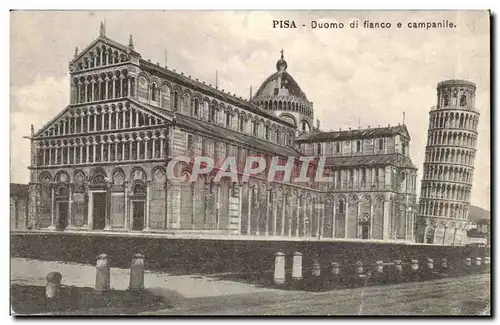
<point x="280" y="83"/>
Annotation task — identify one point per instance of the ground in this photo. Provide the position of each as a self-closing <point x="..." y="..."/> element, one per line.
<point x="221" y="295"/>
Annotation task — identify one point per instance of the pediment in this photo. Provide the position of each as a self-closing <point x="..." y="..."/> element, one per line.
<point x="103" y="51"/>
<point x="60" y="124"/>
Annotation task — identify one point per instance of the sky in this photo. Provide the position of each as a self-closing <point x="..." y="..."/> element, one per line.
<point x="355" y="77"/>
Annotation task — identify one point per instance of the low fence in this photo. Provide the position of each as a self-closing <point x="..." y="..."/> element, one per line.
<point x="207" y="256"/>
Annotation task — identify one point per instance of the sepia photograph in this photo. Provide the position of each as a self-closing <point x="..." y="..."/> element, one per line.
<point x="232" y="162"/>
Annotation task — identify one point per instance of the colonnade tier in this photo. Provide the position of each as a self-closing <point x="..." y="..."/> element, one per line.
<point x="443" y="172"/>
<point x="453" y="138"/>
<point x="100" y="86"/>
<point x="435" y="190"/>
<point x="454" y="119"/>
<point x="263" y="209"/>
<point x="119" y="147"/>
<point x="440" y="155"/>
<point x="289" y="104"/>
<point x="438" y="208"/>
<point x="108" y="117"/>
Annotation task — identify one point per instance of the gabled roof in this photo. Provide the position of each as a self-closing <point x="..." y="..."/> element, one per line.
<point x="105" y="40"/>
<point x="197" y="125"/>
<point x="19" y="190"/>
<point x="321" y="136"/>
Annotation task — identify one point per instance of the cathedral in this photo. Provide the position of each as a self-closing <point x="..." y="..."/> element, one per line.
<point x="100" y="164"/>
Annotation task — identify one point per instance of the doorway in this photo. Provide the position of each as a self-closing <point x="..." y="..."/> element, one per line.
<point x="62" y="208"/>
<point x="99" y="211"/>
<point x="137" y="215"/>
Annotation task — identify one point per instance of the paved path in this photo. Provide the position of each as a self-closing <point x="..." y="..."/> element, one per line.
<point x="33" y="272"/>
<point x="468" y="295"/>
<point x="198" y="295"/>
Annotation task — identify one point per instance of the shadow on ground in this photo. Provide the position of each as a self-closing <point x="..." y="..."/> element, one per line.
<point x="27" y="299"/>
<point x="325" y="282"/>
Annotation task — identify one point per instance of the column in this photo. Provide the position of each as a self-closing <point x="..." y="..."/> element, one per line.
<point x="146" y="139"/>
<point x="85" y="99"/>
<point x="268" y="210"/>
<point x="444" y="234"/>
<point x="75" y="147"/>
<point x="70" y="205"/>
<point x="161" y="144"/>
<point x="113" y="80"/>
<point x="358" y="212"/>
<point x="275" y="211"/>
<point x="106" y="95"/>
<point x="371" y="218"/>
<point x="53" y="207"/>
<point x="334" y="206"/>
<point x="92" y="89"/>
<point x="193" y="204"/>
<point x="283" y="209"/>
<point x="121" y="85"/>
<point x="128" y="87"/>
<point x="127" y="223"/>
<point x="320" y="220"/>
<point x="148" y="199"/>
<point x="258" y="212"/>
<point x="346" y="217"/>
<point x="240" y="205"/>
<point x="87" y="149"/>
<point x="250" y="197"/>
<point x="108" y="206"/>
<point x="297" y="211"/>
<point x="385" y="232"/>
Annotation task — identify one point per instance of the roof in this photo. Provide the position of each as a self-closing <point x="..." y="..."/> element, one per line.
<point x="233" y="136"/>
<point x="19" y="190"/>
<point x="268" y="86"/>
<point x="240" y="102"/>
<point x="106" y="40"/>
<point x="321" y="136"/>
<point x="371" y="160"/>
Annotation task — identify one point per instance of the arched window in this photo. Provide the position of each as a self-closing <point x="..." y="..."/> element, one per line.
<point x="242" y="124"/>
<point x="446" y="100"/>
<point x="153" y="92"/>
<point x="463" y="100"/>
<point x="267" y="132"/>
<point x="358" y="146"/>
<point x="196" y="107"/>
<point x="176" y="100"/>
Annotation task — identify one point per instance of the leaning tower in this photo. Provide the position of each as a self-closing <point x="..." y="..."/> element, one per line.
<point x="448" y="165"/>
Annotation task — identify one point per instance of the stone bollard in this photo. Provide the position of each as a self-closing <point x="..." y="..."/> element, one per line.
<point x="335" y="266"/>
<point x="137" y="273"/>
<point x="398" y="271"/>
<point x="53" y="285"/>
<point x="414" y="271"/>
<point x="478" y="261"/>
<point x="297" y="266"/>
<point x="429" y="268"/>
<point x="379" y="268"/>
<point x="467" y="265"/>
<point x="279" y="268"/>
<point x="443" y="266"/>
<point x="102" y="276"/>
<point x="486" y="264"/>
<point x="316" y="268"/>
<point x="360" y="273"/>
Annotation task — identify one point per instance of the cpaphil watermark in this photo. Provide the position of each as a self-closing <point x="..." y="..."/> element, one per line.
<point x="303" y="169"/>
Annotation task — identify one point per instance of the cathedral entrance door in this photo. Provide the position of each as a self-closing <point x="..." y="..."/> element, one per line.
<point x="62" y="208"/>
<point x="137" y="215"/>
<point x="99" y="211"/>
